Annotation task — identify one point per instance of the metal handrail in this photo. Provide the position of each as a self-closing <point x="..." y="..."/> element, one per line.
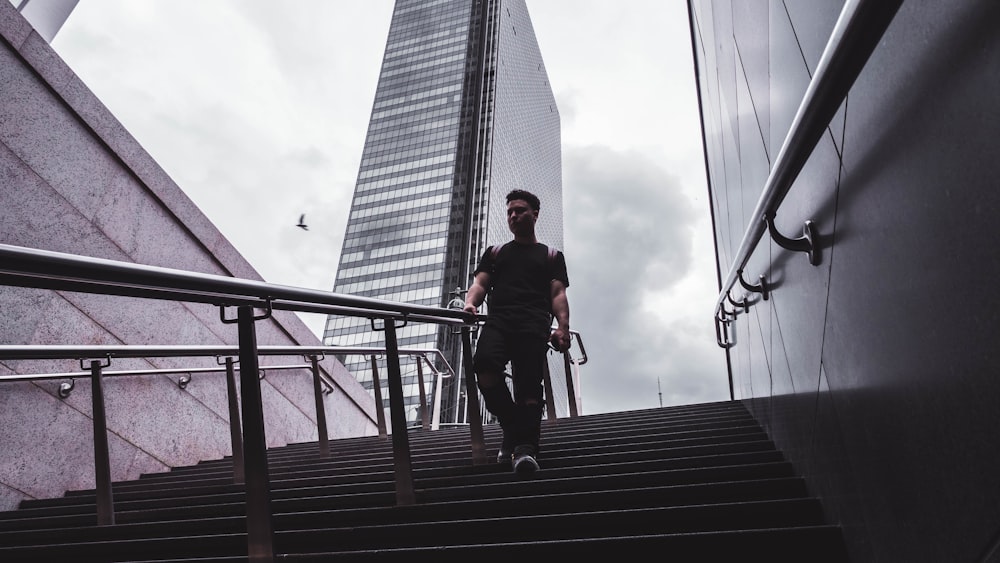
<point x="26" y="267"/>
<point x="419" y="353"/>
<point x="579" y="341"/>
<point x="68" y="352"/>
<point x="64" y="352"/>
<point x="369" y="350"/>
<point x="120" y="373"/>
<point x="44" y="269"/>
<point x="859" y="28"/>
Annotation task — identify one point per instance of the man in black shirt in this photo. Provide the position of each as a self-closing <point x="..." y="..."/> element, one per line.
<point x="525" y="282"/>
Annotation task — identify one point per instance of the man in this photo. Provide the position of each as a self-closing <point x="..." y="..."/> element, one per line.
<point x="526" y="284"/>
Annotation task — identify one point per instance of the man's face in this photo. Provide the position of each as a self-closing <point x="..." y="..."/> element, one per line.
<point x="520" y="216"/>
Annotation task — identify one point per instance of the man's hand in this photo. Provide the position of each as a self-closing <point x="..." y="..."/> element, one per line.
<point x="476" y="293"/>
<point x="560" y="339"/>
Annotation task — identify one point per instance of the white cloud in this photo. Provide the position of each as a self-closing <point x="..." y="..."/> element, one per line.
<point x="630" y="251"/>
<point x="258" y="110"/>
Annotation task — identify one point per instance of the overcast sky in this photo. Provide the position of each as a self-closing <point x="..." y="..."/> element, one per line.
<point x="260" y="115"/>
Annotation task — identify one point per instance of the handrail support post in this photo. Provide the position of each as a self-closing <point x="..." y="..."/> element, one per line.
<point x="550" y="404"/>
<point x="324" y="439"/>
<point x="235" y="430"/>
<point x="425" y="422"/>
<point x="405" y="494"/>
<point x="472" y="401"/>
<point x="570" y="387"/>
<point x="260" y="532"/>
<point x="379" y="410"/>
<point x="102" y="458"/>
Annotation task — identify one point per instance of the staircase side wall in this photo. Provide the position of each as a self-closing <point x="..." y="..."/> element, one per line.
<point x="876" y="371"/>
<point x="74" y="180"/>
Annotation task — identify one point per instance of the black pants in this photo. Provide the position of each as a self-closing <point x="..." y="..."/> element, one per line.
<point x="520" y="416"/>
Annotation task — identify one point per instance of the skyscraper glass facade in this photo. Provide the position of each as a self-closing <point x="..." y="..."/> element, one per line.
<point x="430" y="191"/>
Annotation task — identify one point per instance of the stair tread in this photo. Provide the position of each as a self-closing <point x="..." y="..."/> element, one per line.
<point x="698" y="476"/>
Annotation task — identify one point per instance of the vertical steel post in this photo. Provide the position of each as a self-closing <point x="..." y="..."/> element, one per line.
<point x="102" y="459"/>
<point x="260" y="534"/>
<point x="436" y="409"/>
<point x="235" y="431"/>
<point x="379" y="411"/>
<point x="472" y="402"/>
<point x="570" y="387"/>
<point x="397" y="413"/>
<point x="425" y="422"/>
<point x="324" y="440"/>
<point x="550" y="404"/>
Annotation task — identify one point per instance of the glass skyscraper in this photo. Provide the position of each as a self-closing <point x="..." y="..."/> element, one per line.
<point x="430" y="193"/>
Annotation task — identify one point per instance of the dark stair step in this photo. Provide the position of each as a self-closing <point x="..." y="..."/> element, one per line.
<point x="382" y="505"/>
<point x="459" y="451"/>
<point x="815" y="544"/>
<point x="582" y="458"/>
<point x="484" y="485"/>
<point x="699" y="482"/>
<point x="561" y="467"/>
<point x="453" y="532"/>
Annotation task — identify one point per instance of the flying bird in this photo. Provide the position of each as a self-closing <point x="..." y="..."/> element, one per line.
<point x="302" y="222"/>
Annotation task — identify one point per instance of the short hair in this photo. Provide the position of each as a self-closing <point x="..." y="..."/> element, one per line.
<point x="529" y="197"/>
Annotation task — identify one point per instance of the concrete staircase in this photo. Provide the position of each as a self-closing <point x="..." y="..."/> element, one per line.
<point x="689" y="483"/>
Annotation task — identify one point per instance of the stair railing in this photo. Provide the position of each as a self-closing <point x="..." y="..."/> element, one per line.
<point x="568" y="361"/>
<point x="572" y="376"/>
<point x="858" y="30"/>
<point x="103" y="487"/>
<point x="26" y="267"/>
<point x="421" y="356"/>
<point x="225" y="358"/>
<point x="66" y="388"/>
<point x="571" y="379"/>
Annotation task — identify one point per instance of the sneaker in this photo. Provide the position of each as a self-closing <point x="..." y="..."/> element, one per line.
<point x="523" y="460"/>
<point x="506" y="450"/>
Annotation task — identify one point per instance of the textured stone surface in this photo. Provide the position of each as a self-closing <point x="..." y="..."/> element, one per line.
<point x="341" y="423"/>
<point x="33" y="214"/>
<point x="19" y="321"/>
<point x="61" y="448"/>
<point x="51" y="141"/>
<point x="13" y="28"/>
<point x="10" y="498"/>
<point x="74" y="180"/>
<point x="182" y="429"/>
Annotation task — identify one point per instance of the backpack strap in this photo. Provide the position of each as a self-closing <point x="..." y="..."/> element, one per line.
<point x="495" y="250"/>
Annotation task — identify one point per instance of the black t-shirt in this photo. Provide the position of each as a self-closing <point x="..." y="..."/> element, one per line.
<point x="519" y="296"/>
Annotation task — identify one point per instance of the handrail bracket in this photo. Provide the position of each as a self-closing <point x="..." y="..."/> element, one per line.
<point x="66" y="388"/>
<point x="385" y="323"/>
<point x="85" y="363"/>
<point x="806" y="243"/>
<point x="745" y="304"/>
<point x="722" y="330"/>
<point x="760" y="288"/>
<point x="268" y="311"/>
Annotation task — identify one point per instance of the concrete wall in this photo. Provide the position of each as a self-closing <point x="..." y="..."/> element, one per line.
<point x="875" y="371"/>
<point x="74" y="180"/>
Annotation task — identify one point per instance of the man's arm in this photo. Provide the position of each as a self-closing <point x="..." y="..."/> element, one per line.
<point x="477" y="292"/>
<point x="560" y="337"/>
